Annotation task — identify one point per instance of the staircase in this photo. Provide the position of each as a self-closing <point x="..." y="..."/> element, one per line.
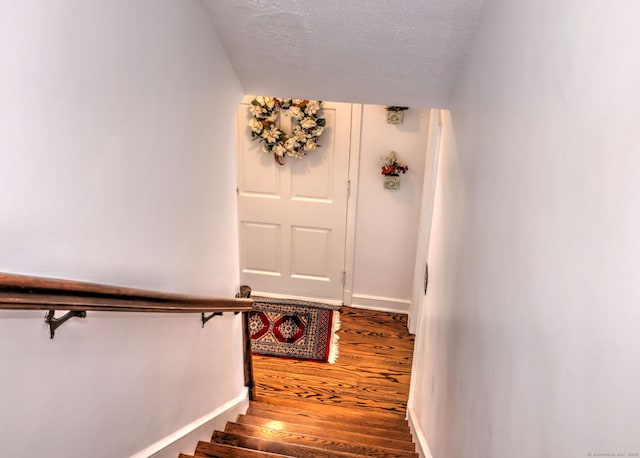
<point x="286" y="428"/>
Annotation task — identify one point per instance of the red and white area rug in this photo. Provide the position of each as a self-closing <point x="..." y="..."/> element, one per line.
<point x="294" y="329"/>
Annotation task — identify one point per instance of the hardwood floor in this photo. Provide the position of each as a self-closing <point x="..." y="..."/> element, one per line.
<point x="372" y="371"/>
<point x="352" y="409"/>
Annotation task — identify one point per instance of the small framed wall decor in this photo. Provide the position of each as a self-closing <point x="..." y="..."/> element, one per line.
<point x="395" y="115"/>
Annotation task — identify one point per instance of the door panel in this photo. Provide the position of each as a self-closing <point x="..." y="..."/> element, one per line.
<point x="261" y="254"/>
<point x="257" y="175"/>
<point x="310" y="247"/>
<point x="292" y="218"/>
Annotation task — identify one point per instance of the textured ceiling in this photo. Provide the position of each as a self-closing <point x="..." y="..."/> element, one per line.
<point x="388" y="52"/>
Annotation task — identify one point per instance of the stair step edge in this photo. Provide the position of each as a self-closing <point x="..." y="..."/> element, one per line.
<point x="344" y="415"/>
<point x="297" y="450"/>
<point x="329" y="444"/>
<point x="209" y="449"/>
<point x="375" y="430"/>
<point x="353" y="436"/>
<point x="315" y="405"/>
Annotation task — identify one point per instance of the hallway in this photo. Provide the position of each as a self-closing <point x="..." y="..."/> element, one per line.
<point x="118" y="146"/>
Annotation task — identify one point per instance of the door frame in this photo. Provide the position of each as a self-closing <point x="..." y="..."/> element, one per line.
<point x="352" y="202"/>
<point x="429" y="183"/>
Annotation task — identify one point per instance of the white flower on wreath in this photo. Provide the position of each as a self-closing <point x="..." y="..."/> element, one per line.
<point x="291" y="144"/>
<point x="271" y="135"/>
<point x="295" y="112"/>
<point x="257" y="111"/>
<point x="308" y="123"/>
<point x="256" y="126"/>
<point x="306" y="131"/>
<point x="269" y="102"/>
<point x="312" y="107"/>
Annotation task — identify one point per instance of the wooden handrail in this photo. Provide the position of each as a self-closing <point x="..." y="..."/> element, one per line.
<point x="21" y="292"/>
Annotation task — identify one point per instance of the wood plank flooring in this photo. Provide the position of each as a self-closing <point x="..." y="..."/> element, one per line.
<point x="372" y="371"/>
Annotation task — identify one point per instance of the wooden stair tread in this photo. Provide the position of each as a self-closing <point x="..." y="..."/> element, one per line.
<point x="270" y="390"/>
<point x="211" y="449"/>
<point x="335" y="410"/>
<point x="330" y="432"/>
<point x="322" y="423"/>
<point x="278" y="448"/>
<point x="367" y="370"/>
<point x="366" y="389"/>
<point x="318" y="442"/>
<point x="319" y="410"/>
<point x="340" y="381"/>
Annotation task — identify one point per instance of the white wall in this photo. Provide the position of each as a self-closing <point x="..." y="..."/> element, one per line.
<point x="387" y="220"/>
<point x="118" y="166"/>
<point x="531" y="340"/>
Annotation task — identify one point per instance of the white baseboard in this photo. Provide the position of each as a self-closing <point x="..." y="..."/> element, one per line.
<point x="298" y="298"/>
<point x="422" y="447"/>
<point x="382" y="304"/>
<point x="186" y="439"/>
<point x="411" y="323"/>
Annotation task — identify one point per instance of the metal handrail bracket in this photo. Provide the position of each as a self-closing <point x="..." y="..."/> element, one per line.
<point x="54" y="323"/>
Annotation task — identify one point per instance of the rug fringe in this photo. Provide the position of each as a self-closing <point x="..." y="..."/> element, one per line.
<point x="334" y="352"/>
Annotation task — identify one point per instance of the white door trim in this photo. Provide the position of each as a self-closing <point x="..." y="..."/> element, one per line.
<point x="417" y="324"/>
<point x="350" y="239"/>
<point x="429" y="183"/>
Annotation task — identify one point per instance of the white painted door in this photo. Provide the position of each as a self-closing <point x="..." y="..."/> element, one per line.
<point x="292" y="218"/>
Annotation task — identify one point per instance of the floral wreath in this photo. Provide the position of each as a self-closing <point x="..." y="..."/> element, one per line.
<point x="306" y="131"/>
